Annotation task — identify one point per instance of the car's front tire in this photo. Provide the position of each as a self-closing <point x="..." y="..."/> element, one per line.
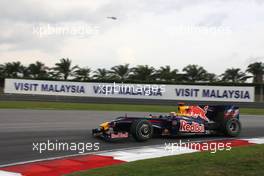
<point x="141" y="130"/>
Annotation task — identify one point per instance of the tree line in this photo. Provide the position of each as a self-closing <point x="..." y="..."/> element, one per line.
<point x="65" y="70"/>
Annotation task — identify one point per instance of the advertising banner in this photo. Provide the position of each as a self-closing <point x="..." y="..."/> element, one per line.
<point x="124" y="90"/>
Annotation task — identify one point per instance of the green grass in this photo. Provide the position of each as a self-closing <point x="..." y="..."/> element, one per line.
<point x="238" y="161"/>
<point x="100" y="107"/>
<point x="252" y="111"/>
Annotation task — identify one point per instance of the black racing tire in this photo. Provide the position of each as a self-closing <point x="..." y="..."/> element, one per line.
<point x="141" y="130"/>
<point x="232" y="127"/>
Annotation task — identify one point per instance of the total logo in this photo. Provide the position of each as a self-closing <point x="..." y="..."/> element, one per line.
<point x="193" y="127"/>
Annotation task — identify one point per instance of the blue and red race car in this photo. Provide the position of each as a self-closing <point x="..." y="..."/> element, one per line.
<point x="199" y="119"/>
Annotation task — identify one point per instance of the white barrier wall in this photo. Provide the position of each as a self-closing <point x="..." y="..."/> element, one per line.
<point x="120" y="90"/>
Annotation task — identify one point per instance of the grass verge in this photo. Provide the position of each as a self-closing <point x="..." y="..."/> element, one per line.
<point x="239" y="161"/>
<point x="101" y="107"/>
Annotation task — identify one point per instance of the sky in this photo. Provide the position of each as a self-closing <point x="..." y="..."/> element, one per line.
<point x="215" y="34"/>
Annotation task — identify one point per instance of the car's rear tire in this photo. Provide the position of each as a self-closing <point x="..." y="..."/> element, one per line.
<point x="232" y="127"/>
<point x="141" y="130"/>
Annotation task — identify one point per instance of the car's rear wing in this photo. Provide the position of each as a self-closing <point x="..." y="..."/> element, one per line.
<point x="220" y="113"/>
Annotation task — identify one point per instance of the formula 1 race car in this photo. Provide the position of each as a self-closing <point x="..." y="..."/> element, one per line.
<point x="223" y="119"/>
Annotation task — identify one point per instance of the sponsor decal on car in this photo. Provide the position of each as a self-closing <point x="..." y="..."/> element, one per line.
<point x="196" y="111"/>
<point x="119" y="135"/>
<point x="191" y="127"/>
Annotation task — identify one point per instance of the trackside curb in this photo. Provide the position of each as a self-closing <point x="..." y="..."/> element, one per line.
<point x="67" y="165"/>
<point x="5" y="173"/>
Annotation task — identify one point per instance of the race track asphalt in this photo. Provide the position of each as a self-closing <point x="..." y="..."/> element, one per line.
<point x="19" y="129"/>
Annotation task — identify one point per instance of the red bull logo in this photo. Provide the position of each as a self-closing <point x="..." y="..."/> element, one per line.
<point x="196" y="111"/>
<point x="193" y="127"/>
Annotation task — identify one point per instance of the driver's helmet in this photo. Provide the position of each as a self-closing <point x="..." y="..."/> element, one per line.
<point x="182" y="108"/>
<point x="172" y="114"/>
